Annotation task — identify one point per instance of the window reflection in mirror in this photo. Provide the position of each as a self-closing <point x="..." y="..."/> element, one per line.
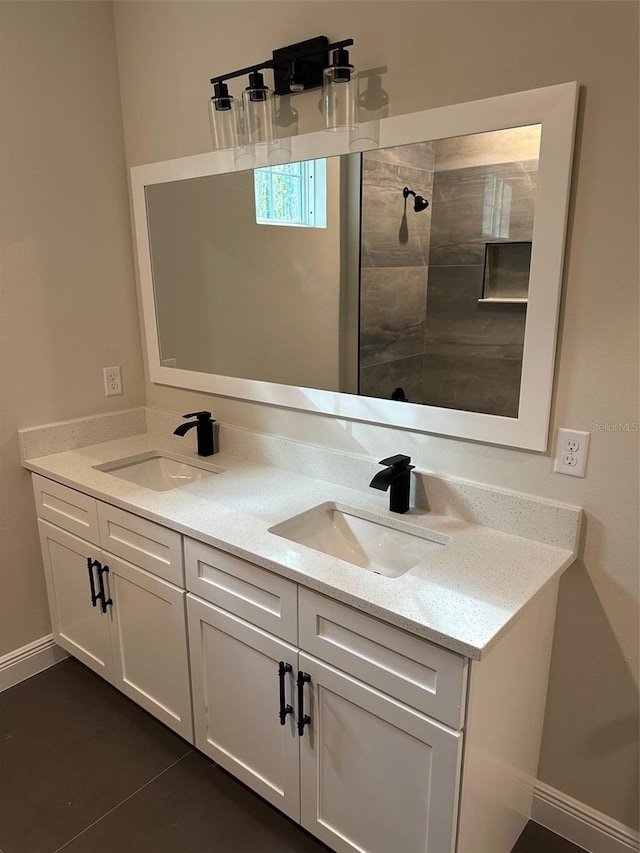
<point x="377" y="297"/>
<point x="293" y="194"/>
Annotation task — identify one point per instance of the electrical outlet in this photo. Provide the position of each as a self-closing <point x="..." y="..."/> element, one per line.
<point x="112" y="381"/>
<point x="571" y="452"/>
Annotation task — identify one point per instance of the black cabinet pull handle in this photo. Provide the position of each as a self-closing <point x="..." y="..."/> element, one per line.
<point x="94" y="595"/>
<point x="303" y="719"/>
<point x="283" y="669"/>
<point x="101" y="595"/>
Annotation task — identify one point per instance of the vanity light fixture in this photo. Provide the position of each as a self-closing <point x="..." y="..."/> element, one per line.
<point x="296" y="68"/>
<point x="419" y="203"/>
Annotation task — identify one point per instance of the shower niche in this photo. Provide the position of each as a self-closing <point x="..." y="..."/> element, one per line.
<point x="506" y="272"/>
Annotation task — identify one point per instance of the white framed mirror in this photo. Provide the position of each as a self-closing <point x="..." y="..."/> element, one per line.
<point x="415" y="283"/>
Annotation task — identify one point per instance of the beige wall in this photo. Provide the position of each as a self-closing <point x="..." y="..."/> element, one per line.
<point x="68" y="301"/>
<point x="440" y="53"/>
<point x="68" y="304"/>
<point x="227" y="287"/>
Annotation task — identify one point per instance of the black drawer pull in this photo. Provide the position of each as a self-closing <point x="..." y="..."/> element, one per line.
<point x="101" y="595"/>
<point x="283" y="669"/>
<point x="303" y="719"/>
<point x="94" y="595"/>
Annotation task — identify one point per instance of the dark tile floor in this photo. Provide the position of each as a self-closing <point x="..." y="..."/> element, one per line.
<point x="84" y="770"/>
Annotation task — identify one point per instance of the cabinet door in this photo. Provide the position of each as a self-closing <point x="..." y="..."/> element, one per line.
<point x="149" y="641"/>
<point x="234" y="670"/>
<point x="78" y="626"/>
<point x="375" y="775"/>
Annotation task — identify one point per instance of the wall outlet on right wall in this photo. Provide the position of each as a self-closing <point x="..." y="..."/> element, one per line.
<point x="571" y="452"/>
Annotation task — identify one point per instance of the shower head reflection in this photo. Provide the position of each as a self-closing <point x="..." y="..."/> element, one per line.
<point x="419" y="203"/>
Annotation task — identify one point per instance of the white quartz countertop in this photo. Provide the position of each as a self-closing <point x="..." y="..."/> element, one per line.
<point x="464" y="597"/>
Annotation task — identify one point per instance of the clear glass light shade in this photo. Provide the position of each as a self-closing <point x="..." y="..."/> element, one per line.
<point x="223" y="120"/>
<point x="259" y="111"/>
<point x="340" y="97"/>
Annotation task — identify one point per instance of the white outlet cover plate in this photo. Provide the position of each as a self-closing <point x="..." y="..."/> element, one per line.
<point x="571" y="452"/>
<point x="112" y="381"/>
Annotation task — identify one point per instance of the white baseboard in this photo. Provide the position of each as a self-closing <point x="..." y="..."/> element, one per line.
<point x="29" y="660"/>
<point x="581" y="824"/>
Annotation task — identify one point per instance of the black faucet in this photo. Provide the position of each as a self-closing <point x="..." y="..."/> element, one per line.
<point x="398" y="477"/>
<point x="204" y="423"/>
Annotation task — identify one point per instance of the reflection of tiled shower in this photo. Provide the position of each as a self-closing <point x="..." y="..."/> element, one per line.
<point x="421" y="325"/>
<point x="394" y="263"/>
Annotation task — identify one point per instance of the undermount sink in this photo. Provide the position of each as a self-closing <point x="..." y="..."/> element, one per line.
<point x="360" y="539"/>
<point x="159" y="471"/>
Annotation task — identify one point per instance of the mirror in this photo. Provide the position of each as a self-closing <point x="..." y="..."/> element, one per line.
<point x="423" y="275"/>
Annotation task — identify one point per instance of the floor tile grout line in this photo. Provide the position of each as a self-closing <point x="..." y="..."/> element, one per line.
<point x="126" y="799"/>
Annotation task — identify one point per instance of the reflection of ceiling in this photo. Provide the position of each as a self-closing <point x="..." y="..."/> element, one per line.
<point x="495" y="146"/>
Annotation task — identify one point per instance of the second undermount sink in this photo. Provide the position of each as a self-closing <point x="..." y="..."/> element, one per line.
<point x="159" y="471"/>
<point x="361" y="539"/>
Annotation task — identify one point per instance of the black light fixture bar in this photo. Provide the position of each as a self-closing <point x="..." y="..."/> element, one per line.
<point x="307" y="75"/>
<point x="249" y="70"/>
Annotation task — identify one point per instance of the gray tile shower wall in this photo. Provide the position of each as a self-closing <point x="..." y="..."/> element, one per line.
<point x="477" y="204"/>
<point x="473" y="351"/>
<point x="405" y="373"/>
<point x="394" y="264"/>
<point x="392" y="236"/>
<point x="473" y="380"/>
<point x="393" y="313"/>
<point x="421" y="325"/>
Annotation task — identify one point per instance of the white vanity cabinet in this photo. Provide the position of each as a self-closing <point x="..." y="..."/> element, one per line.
<point x="135" y="635"/>
<point x="373" y="738"/>
<point x="368" y="770"/>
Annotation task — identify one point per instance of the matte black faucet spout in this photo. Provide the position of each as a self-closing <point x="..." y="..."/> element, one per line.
<point x="204" y="425"/>
<point x="397" y="478"/>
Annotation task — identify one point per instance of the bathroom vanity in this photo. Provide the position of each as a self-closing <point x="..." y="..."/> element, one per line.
<point x="381" y="712"/>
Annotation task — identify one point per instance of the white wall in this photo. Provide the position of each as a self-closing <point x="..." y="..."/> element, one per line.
<point x="439" y="53"/>
<point x="68" y="303"/>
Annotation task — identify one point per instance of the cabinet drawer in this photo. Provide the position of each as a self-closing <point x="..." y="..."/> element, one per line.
<point x="253" y="593"/>
<point x="415" y="671"/>
<point x="143" y="543"/>
<point x="66" y="508"/>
